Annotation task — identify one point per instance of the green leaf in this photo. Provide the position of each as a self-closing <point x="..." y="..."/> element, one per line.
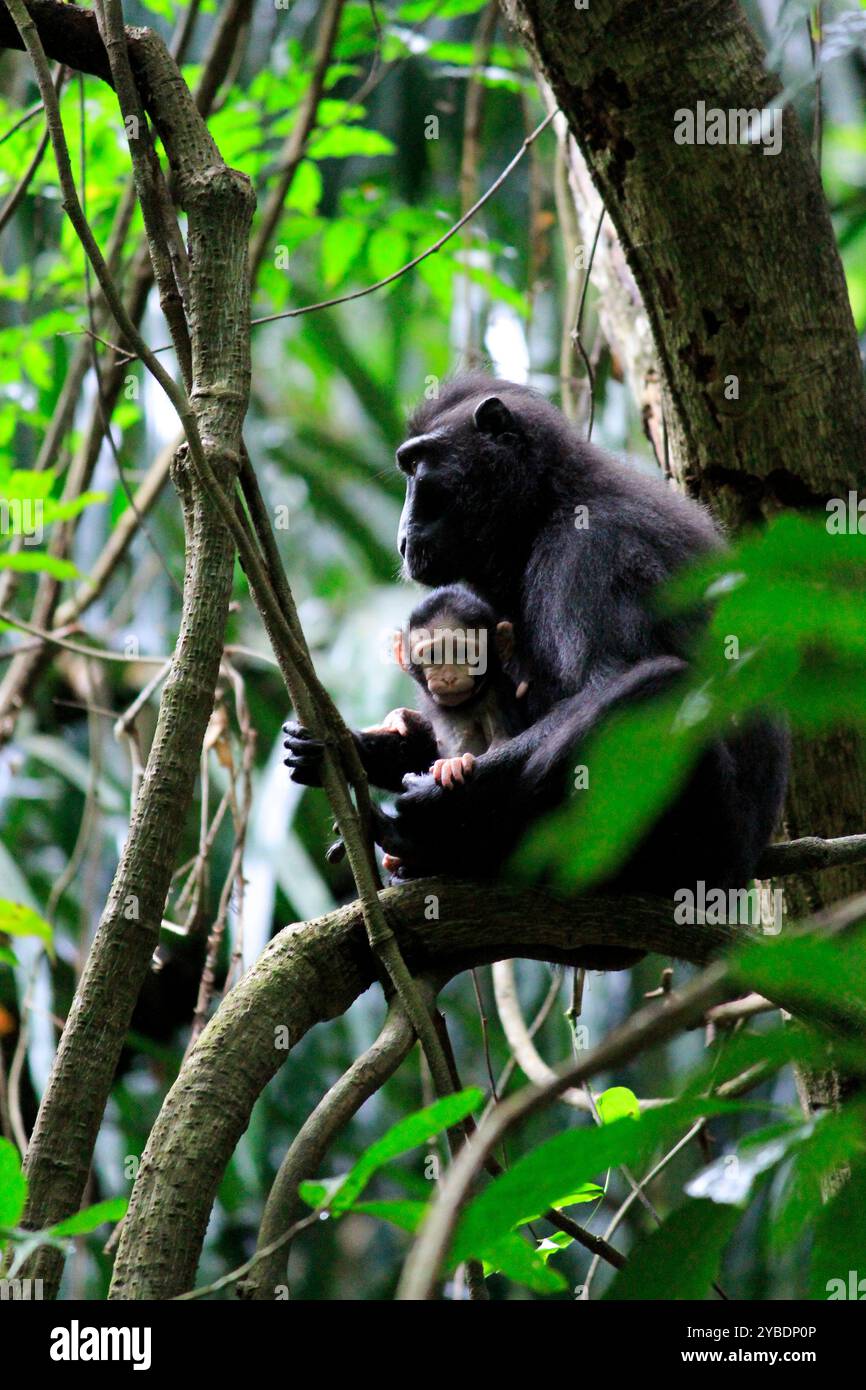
<point x="65" y="761"/>
<point x="18" y="920"/>
<point x="166" y="9"/>
<point x="512" y="1256"/>
<point x="584" y="1192"/>
<point x="23" y="485"/>
<point x="833" y="1141"/>
<point x="7" y="957"/>
<point x="37" y="562"/>
<point x="405" y="1135"/>
<point x="729" y="1179"/>
<point x="403" y="1212"/>
<point x="551" y="1245"/>
<point x="306" y="191"/>
<point x="498" y="289"/>
<point x="83" y="1222"/>
<point x="818" y="972"/>
<point x="838" y="1264"/>
<point x="387" y="251"/>
<point x="681" y="1259"/>
<point x="769" y="1051"/>
<point x="549" y="1173"/>
<point x="589" y="836"/>
<point x="13" y="1185"/>
<point x="343" y="141"/>
<point x="417" y="11"/>
<point x="62" y="511"/>
<point x="317" y="1192"/>
<point x="617" y="1103"/>
<point x="341" y="244"/>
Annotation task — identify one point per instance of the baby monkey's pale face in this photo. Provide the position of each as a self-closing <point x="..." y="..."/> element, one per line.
<point x="452" y="659"/>
<point x="449" y="682"/>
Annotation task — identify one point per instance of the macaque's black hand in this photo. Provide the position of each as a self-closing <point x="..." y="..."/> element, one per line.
<point x="305" y="755"/>
<point x="412" y="832"/>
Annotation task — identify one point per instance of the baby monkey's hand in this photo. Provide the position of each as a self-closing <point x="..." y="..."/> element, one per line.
<point x="400" y="721"/>
<point x="448" y="771"/>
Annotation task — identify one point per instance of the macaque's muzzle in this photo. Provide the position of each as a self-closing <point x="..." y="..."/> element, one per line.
<point x="450" y="685"/>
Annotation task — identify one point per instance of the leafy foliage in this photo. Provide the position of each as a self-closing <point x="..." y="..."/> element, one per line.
<point x="377" y="185"/>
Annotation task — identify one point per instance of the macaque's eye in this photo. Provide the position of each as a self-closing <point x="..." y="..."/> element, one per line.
<point x="421" y="449"/>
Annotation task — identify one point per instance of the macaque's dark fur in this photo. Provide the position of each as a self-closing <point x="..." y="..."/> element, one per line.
<point x="492" y="488"/>
<point x="492" y="714"/>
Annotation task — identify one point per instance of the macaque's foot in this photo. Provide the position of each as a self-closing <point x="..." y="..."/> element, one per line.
<point x="399" y="721"/>
<point x="447" y="771"/>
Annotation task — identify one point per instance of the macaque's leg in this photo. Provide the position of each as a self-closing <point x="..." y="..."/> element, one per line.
<point x="447" y="771"/>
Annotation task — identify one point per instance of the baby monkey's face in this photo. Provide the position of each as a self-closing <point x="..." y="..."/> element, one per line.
<point x="450" y="665"/>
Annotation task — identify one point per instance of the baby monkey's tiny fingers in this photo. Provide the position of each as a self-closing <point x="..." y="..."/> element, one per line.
<point x="447" y="771"/>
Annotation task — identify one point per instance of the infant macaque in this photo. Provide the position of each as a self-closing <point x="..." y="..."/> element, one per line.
<point x="458" y="653"/>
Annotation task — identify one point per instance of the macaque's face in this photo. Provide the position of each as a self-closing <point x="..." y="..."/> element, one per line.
<point x="451" y="659"/>
<point x="449" y="681"/>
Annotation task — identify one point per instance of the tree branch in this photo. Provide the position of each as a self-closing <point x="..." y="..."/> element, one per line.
<point x="810" y="853"/>
<point x="219" y="206"/>
<point x="312" y="972"/>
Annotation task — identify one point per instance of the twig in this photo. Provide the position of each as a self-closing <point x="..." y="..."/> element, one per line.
<point x="10" y="207"/>
<point x="118" y="542"/>
<point x="647" y="1028"/>
<point x="576" y="334"/>
<point x="651" y="1025"/>
<point x="241" y="813"/>
<point x="22" y="121"/>
<point x="528" y="1058"/>
<point x="811" y="852"/>
<point x="485" y="1034"/>
<point x="235" y="1274"/>
<point x="620" y="1215"/>
<point x="296" y="142"/>
<point x="468" y="176"/>
<point x="97" y="653"/>
<point x="430" y="251"/>
<point x="367" y="1074"/>
<point x="103" y="405"/>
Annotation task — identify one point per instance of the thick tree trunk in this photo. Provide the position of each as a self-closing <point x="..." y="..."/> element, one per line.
<point x="734" y="254"/>
<point x="219" y="204"/>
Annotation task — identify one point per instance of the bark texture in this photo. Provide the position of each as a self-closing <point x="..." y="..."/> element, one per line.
<point x="219" y="203"/>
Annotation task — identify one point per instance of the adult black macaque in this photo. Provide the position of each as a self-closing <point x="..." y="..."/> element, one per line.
<point x="502" y="494"/>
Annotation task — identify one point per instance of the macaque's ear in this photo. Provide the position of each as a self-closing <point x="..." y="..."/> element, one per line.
<point x="492" y="417"/>
<point x="505" y="640"/>
<point x="399" y="649"/>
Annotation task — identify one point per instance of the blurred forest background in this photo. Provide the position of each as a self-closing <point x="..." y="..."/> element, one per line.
<point x="422" y="107"/>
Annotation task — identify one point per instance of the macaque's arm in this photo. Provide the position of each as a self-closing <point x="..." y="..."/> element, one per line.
<point x="402" y="743"/>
